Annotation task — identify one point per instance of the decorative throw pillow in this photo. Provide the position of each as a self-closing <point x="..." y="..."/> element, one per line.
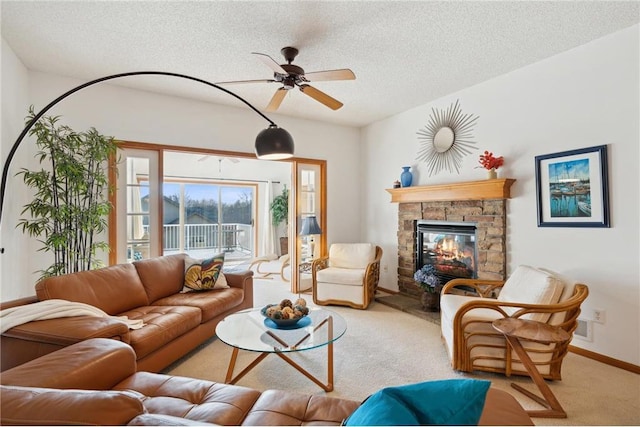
<point x="444" y="402"/>
<point x="203" y="274"/>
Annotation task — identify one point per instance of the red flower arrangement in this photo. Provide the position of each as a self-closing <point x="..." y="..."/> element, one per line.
<point x="489" y="162"/>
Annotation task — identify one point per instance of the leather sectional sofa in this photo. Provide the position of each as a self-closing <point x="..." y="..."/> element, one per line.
<point x="148" y="290"/>
<point x="96" y="382"/>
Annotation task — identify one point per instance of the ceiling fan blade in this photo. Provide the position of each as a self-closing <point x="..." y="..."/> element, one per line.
<point x="270" y="62"/>
<point x="321" y="97"/>
<point x="246" y="81"/>
<point x="276" y="100"/>
<point x="319" y="76"/>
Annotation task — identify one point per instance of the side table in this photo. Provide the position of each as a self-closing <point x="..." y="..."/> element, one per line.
<point x="516" y="329"/>
<point x="305" y="281"/>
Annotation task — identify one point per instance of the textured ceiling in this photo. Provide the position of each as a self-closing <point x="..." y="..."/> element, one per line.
<point x="404" y="54"/>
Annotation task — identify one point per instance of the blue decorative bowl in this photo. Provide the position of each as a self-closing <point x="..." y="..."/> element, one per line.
<point x="283" y="323"/>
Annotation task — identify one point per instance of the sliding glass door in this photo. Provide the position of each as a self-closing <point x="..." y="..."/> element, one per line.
<point x="201" y="218"/>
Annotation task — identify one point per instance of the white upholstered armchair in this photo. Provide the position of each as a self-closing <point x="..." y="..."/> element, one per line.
<point x="529" y="293"/>
<point x="348" y="276"/>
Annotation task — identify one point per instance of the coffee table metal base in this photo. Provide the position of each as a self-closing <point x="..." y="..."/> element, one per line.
<point x="328" y="386"/>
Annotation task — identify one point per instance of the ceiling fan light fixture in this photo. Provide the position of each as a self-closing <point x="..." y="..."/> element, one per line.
<point x="274" y="143"/>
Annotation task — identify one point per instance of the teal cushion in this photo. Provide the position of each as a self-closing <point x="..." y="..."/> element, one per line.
<point x="445" y="402"/>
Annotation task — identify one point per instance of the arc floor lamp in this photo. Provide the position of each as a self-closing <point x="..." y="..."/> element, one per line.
<point x="272" y="143"/>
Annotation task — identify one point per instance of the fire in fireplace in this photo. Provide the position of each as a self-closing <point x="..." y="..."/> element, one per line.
<point x="449" y="246"/>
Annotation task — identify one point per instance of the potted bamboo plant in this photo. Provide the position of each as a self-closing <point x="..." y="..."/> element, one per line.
<point x="70" y="205"/>
<point x="280" y="214"/>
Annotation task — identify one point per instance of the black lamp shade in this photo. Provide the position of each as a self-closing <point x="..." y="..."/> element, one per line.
<point x="274" y="143"/>
<point x="310" y="226"/>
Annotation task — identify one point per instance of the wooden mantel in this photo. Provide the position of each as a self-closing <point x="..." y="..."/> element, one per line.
<point x="472" y="190"/>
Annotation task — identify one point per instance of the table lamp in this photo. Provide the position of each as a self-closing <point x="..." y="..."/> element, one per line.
<point x="310" y="228"/>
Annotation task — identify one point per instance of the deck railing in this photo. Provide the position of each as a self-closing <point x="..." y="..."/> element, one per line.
<point x="231" y="236"/>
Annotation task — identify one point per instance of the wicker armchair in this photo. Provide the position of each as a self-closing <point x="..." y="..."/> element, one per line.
<point x="348" y="276"/>
<point x="472" y="342"/>
<point x="269" y="265"/>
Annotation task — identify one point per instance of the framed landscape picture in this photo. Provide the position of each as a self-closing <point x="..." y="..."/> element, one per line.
<point x="572" y="188"/>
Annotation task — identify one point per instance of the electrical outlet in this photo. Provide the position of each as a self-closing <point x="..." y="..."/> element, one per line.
<point x="599" y="315"/>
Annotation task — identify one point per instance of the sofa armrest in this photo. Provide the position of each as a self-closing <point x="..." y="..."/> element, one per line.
<point x="18" y="302"/>
<point x="31" y="340"/>
<point x="240" y="280"/>
<point x="43" y="406"/>
<point x="96" y="364"/>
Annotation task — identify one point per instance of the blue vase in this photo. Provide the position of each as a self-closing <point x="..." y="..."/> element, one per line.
<point x="406" y="177"/>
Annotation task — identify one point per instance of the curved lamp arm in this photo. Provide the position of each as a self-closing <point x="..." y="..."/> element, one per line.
<point x="272" y="136"/>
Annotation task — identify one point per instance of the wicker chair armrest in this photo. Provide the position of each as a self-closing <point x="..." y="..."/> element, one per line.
<point x="571" y="304"/>
<point x="319" y="264"/>
<point x="374" y="266"/>
<point x="484" y="288"/>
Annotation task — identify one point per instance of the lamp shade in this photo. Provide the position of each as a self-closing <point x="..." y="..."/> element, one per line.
<point x="274" y="143"/>
<point x="310" y="226"/>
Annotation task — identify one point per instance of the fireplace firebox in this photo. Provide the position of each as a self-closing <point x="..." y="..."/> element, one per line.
<point x="450" y="247"/>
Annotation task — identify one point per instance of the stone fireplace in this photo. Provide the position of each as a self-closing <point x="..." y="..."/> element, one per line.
<point x="449" y="247"/>
<point x="481" y="203"/>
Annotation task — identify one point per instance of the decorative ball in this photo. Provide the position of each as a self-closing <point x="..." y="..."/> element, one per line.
<point x="302" y="309"/>
<point x="301" y="301"/>
<point x="286" y="303"/>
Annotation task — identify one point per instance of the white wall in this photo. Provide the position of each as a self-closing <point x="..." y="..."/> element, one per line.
<point x="142" y="116"/>
<point x="15" y="103"/>
<point x="585" y="97"/>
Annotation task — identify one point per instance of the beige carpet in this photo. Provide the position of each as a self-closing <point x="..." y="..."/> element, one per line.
<point x="384" y="347"/>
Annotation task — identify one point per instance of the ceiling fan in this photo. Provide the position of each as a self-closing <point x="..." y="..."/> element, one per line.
<point x="290" y="76"/>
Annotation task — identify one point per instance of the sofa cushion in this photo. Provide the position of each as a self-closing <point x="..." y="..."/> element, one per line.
<point x="444" y="402"/>
<point x="212" y="303"/>
<point x="112" y="289"/>
<point x="282" y="407"/>
<point x="531" y="286"/>
<point x="351" y="255"/>
<point x="161" y="276"/>
<point x="162" y="324"/>
<point x="44" y="406"/>
<point x="202" y="274"/>
<point x="194" y="399"/>
<point x="567" y="292"/>
<point x="342" y="276"/>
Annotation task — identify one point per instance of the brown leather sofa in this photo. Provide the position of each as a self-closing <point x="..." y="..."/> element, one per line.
<point x="148" y="290"/>
<point x="95" y="382"/>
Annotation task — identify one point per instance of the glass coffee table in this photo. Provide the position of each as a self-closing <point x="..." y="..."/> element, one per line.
<point x="249" y="330"/>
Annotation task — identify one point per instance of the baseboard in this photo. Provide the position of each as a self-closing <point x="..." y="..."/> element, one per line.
<point x="605" y="359"/>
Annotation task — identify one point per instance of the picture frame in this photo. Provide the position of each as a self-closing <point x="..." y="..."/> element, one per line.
<point x="572" y="188"/>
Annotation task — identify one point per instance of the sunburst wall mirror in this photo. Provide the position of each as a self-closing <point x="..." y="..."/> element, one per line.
<point x="446" y="139"/>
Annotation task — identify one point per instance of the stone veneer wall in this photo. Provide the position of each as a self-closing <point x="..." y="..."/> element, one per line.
<point x="490" y="219"/>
